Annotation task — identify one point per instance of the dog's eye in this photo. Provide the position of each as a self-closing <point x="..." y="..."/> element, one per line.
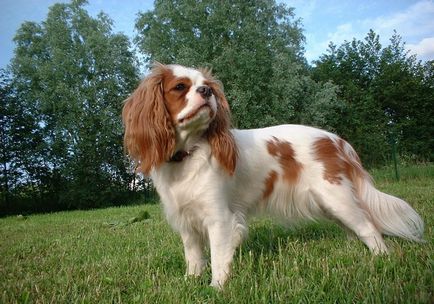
<point x="180" y="87"/>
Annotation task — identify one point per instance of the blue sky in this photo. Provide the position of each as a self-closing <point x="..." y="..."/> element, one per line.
<point x="323" y="21"/>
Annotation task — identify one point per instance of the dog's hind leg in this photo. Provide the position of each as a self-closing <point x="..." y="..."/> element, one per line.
<point x="338" y="203"/>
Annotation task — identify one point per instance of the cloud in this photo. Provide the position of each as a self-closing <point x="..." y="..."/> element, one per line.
<point x="415" y="24"/>
<point x="343" y="32"/>
<point x="424" y="49"/>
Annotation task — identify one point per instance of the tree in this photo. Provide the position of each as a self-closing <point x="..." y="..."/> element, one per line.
<point x="353" y="67"/>
<point x="405" y="93"/>
<point x="72" y="73"/>
<point x="254" y="47"/>
<point x="8" y="118"/>
<point x="19" y="142"/>
<point x="386" y="94"/>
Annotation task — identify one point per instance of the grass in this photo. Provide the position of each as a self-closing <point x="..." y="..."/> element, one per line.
<point x="95" y="257"/>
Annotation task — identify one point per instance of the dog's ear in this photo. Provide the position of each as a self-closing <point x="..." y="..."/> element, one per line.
<point x="149" y="133"/>
<point x="219" y="136"/>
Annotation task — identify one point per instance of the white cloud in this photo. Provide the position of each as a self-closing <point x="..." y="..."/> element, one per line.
<point x="415" y="24"/>
<point x="424" y="49"/>
<point x="343" y="32"/>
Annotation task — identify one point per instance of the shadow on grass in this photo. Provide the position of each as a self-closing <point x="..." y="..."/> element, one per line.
<point x="266" y="238"/>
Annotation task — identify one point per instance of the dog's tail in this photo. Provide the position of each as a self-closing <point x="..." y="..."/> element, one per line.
<point x="391" y="215"/>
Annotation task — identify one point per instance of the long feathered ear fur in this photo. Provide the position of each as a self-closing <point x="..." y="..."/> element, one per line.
<point x="149" y="133"/>
<point x="220" y="138"/>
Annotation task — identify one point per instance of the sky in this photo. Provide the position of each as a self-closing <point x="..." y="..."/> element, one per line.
<point x="323" y="21"/>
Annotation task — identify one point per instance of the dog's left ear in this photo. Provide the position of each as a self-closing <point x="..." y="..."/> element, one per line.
<point x="219" y="136"/>
<point x="149" y="133"/>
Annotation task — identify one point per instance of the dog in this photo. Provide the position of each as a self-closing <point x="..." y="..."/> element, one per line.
<point x="211" y="178"/>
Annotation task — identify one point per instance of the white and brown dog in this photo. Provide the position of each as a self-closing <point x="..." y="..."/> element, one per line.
<point x="212" y="178"/>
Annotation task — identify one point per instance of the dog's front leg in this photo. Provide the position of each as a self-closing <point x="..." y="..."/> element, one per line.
<point x="223" y="239"/>
<point x="193" y="250"/>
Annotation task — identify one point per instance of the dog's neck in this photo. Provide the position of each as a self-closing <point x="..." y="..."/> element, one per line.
<point x="180" y="155"/>
<point x="186" y="143"/>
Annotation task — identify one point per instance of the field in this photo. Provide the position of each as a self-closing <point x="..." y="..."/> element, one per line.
<point x="102" y="256"/>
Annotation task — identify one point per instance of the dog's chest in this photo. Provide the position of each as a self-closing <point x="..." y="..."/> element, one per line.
<point x="188" y="190"/>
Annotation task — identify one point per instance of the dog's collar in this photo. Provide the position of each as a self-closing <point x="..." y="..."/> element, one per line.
<point x="180" y="155"/>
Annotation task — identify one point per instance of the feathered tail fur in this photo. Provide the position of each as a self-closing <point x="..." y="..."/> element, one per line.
<point x="391" y="215"/>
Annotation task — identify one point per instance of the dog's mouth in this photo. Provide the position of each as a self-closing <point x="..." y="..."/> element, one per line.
<point x="194" y="113"/>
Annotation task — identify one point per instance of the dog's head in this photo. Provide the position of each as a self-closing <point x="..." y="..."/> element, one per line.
<point x="172" y="104"/>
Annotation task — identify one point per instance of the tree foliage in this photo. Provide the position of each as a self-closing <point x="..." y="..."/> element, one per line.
<point x="388" y="97"/>
<point x="254" y="47"/>
<point x="72" y="74"/>
<point x="61" y="134"/>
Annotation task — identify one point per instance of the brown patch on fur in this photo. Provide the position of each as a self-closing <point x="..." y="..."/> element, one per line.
<point x="339" y="159"/>
<point x="328" y="153"/>
<point x="175" y="99"/>
<point x="269" y="184"/>
<point x="219" y="136"/>
<point x="150" y="113"/>
<point x="149" y="133"/>
<point x="284" y="153"/>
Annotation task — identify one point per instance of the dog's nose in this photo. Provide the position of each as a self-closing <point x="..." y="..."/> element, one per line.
<point x="204" y="91"/>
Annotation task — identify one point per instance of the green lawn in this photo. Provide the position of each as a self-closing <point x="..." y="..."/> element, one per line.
<point x="92" y="257"/>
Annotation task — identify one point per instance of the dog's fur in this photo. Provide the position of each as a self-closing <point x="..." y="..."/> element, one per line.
<point x="212" y="178"/>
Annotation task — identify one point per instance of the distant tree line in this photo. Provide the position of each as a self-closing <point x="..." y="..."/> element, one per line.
<point x="387" y="97"/>
<point x="61" y="95"/>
